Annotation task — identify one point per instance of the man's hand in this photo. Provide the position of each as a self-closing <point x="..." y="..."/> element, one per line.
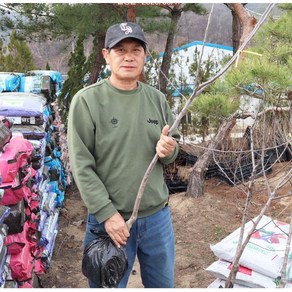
<point x="117" y="229"/>
<point x="166" y="145"/>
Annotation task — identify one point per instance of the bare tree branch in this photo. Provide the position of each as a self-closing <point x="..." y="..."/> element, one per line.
<point x="199" y="89"/>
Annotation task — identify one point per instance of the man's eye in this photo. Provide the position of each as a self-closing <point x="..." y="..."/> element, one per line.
<point x="119" y="50"/>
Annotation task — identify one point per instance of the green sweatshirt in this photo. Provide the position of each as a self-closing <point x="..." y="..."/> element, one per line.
<point x="112" y="136"/>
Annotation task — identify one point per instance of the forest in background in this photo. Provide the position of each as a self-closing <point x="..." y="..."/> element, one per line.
<point x="191" y="28"/>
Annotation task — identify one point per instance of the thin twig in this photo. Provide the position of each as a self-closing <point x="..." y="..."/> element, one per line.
<point x="289" y="194"/>
<point x="286" y="257"/>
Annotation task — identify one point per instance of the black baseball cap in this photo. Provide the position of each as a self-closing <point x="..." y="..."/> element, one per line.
<point x="121" y="31"/>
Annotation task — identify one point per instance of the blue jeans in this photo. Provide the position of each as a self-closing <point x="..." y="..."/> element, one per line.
<point x="152" y="240"/>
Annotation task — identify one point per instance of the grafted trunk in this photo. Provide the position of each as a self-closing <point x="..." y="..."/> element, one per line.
<point x="197" y="177"/>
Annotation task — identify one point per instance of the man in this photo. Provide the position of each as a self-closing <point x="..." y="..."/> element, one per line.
<point x="115" y="128"/>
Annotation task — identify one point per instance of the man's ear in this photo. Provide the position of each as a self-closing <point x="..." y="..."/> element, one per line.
<point x="105" y="53"/>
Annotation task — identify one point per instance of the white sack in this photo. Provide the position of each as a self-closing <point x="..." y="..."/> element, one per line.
<point x="265" y="251"/>
<point x="245" y="276"/>
<point x="220" y="283"/>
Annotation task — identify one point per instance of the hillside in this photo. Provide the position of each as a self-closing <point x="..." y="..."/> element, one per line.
<point x="191" y="28"/>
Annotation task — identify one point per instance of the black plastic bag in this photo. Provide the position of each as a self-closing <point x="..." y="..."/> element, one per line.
<point x="103" y="263"/>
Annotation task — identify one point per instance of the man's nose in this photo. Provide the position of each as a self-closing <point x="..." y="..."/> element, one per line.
<point x="129" y="56"/>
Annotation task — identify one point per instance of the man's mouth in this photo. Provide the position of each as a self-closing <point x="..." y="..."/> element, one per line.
<point x="128" y="67"/>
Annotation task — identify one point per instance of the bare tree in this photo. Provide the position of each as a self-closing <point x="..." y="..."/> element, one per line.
<point x="198" y="90"/>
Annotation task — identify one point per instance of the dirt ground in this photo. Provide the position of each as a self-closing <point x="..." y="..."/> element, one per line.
<point x="198" y="222"/>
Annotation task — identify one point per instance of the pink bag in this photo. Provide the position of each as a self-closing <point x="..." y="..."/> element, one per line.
<point x="21" y="264"/>
<point x="14" y="156"/>
<point x="25" y="284"/>
<point x="16" y="242"/>
<point x="13" y="195"/>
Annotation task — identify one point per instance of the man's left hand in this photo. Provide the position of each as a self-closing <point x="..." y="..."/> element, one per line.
<point x="165" y="145"/>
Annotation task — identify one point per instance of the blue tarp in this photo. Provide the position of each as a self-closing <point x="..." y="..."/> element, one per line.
<point x="56" y="77"/>
<point x="9" y="81"/>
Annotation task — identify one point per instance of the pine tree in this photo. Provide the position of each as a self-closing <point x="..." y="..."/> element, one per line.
<point x="16" y="57"/>
<point x="75" y="81"/>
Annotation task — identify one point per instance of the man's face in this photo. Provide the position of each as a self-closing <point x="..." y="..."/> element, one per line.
<point x="126" y="60"/>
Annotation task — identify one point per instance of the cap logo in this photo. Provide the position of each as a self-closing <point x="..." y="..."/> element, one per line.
<point x="127" y="29"/>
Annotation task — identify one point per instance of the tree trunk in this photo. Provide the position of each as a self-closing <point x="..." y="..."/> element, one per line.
<point x="99" y="40"/>
<point x="242" y="24"/>
<point x="166" y="61"/>
<point x="131" y="16"/>
<point x="197" y="177"/>
<point x="247" y="22"/>
<point x="131" y="13"/>
<point x="236" y="31"/>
